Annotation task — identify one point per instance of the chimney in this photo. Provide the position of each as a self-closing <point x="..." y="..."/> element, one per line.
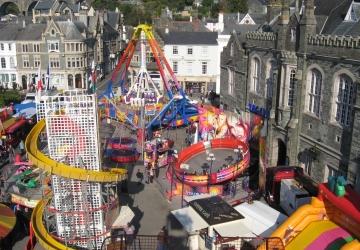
<point x="23" y="24"/>
<point x="221" y="17"/>
<point x="221" y="22"/>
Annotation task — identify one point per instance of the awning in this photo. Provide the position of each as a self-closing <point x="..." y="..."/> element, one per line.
<point x="238" y="228"/>
<point x="22" y="106"/>
<point x="6" y="124"/>
<point x="26" y="113"/>
<point x="15" y="126"/>
<point x="189" y="219"/>
<point x="125" y="217"/>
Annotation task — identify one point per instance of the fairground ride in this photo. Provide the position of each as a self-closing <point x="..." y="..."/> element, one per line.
<point x="143" y="92"/>
<point x="79" y="211"/>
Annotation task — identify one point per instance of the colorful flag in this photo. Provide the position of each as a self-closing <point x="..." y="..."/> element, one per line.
<point x="48" y="77"/>
<point x="93" y="76"/>
<point x="39" y="83"/>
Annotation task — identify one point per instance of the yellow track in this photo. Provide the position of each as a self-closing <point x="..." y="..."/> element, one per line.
<point x="42" y="161"/>
<point x="57" y="168"/>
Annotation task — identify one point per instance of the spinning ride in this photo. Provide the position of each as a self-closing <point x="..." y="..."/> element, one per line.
<point x="212" y="162"/>
<point x="144" y="93"/>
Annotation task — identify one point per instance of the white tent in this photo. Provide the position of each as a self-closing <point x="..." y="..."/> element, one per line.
<point x="190" y="219"/>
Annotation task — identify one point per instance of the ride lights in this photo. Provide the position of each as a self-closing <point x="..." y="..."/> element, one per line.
<point x="137" y="102"/>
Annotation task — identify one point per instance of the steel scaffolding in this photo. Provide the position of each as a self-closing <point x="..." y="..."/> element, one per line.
<point x="72" y="136"/>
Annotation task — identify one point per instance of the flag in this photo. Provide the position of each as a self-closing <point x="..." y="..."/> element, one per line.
<point x="48" y="77"/>
<point x="39" y="83"/>
<point x="93" y="76"/>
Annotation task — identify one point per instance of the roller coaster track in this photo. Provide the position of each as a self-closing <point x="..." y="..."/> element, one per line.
<point x="56" y="168"/>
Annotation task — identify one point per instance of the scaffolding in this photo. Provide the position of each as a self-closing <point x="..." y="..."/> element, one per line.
<point x="73" y="139"/>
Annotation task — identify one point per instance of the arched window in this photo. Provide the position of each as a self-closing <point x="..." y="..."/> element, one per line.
<point x="292" y="88"/>
<point x="315" y="92"/>
<point x="270" y="78"/>
<point x="344" y="100"/>
<point x="256" y="75"/>
<point x="232" y="49"/>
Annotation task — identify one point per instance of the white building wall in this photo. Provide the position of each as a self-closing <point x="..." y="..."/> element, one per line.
<point x="8" y="74"/>
<point x="190" y="65"/>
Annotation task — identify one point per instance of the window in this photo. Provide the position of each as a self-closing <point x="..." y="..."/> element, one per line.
<point x="53" y="46"/>
<point x="291" y="91"/>
<point x="12" y="62"/>
<point x="232" y="49"/>
<point x="329" y="171"/>
<point x="72" y="47"/>
<point x="190" y="51"/>
<point x="293" y="35"/>
<point x="256" y="75"/>
<point x="338" y="138"/>
<point x="175" y="67"/>
<point x="1" y="46"/>
<point x="54" y="62"/>
<point x="344" y="101"/>
<point x="175" y="50"/>
<point x="9" y="46"/>
<point x="189" y="67"/>
<point x="3" y="63"/>
<point x="36" y="47"/>
<point x="270" y="79"/>
<point x="24" y="48"/>
<point x="77" y="47"/>
<point x="13" y="77"/>
<point x="36" y="61"/>
<point x="231" y="81"/>
<point x="204" y="68"/>
<point x="204" y="51"/>
<point x="26" y="63"/>
<point x="315" y="92"/>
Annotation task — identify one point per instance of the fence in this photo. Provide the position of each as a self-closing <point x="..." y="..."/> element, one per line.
<point x="250" y="243"/>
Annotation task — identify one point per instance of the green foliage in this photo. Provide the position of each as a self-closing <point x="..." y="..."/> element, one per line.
<point x="11" y="8"/>
<point x="8" y="97"/>
<point x="236" y="6"/>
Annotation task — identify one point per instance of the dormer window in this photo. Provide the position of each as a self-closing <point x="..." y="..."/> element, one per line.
<point x="53" y="46"/>
<point x="52" y="32"/>
<point x="353" y="12"/>
<point x="292" y="34"/>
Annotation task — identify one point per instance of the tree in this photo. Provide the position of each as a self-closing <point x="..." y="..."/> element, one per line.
<point x="236" y="6"/>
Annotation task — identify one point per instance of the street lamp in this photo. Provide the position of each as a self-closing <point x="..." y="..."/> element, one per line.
<point x="211" y="158"/>
<point x="184" y="167"/>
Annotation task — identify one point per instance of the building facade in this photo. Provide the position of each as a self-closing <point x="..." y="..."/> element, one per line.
<point x="8" y="63"/>
<point x="193" y="58"/>
<point x="302" y="66"/>
<point x="55" y="47"/>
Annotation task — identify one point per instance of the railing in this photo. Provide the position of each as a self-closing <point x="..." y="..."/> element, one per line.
<point x="248" y="243"/>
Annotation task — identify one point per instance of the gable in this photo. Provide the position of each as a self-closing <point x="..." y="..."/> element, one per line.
<point x="247" y="20"/>
<point x="52" y="29"/>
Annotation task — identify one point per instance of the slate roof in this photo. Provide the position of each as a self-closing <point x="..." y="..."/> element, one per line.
<point x="44" y="4"/>
<point x="231" y="22"/>
<point x="9" y="31"/>
<point x="112" y="18"/>
<point x="189" y="38"/>
<point x="32" y="31"/>
<point x="70" y="30"/>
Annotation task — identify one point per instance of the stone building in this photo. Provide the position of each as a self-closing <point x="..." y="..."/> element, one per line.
<point x="59" y="45"/>
<point x="302" y="65"/>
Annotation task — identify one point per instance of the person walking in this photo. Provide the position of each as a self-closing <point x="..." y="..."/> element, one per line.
<point x="129" y="233"/>
<point x="140" y="176"/>
<point x="22" y="147"/>
<point x="151" y="174"/>
<point x="162" y="239"/>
